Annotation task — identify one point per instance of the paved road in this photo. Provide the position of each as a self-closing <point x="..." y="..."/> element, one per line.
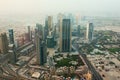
<point x="96" y="75"/>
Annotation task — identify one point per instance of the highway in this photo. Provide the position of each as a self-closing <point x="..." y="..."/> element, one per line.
<point x="95" y="74"/>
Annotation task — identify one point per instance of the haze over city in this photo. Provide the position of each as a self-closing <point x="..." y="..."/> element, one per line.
<point x="59" y="40"/>
<point x="45" y="7"/>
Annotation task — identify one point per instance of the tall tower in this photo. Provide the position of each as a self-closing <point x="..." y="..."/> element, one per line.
<point x="78" y="30"/>
<point x="89" y="31"/>
<point x="29" y="33"/>
<point x="60" y="18"/>
<point x="65" y="36"/>
<point x="3" y="43"/>
<point x="41" y="48"/>
<point x="39" y="30"/>
<point x="12" y="51"/>
<point x="50" y="23"/>
<point x="46" y="31"/>
<point x="11" y="36"/>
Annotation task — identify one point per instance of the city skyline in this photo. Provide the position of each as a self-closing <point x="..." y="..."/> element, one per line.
<point x="59" y="40"/>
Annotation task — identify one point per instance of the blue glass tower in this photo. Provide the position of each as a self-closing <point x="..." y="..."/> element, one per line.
<point x="11" y="36"/>
<point x="66" y="36"/>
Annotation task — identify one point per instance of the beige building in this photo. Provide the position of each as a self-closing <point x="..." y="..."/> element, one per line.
<point x="3" y="43"/>
<point x="60" y="17"/>
<point x="50" y="23"/>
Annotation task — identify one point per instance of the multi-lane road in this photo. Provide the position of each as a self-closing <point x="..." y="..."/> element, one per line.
<point x="95" y="74"/>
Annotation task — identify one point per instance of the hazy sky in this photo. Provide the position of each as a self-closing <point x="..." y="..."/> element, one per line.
<point x="100" y="7"/>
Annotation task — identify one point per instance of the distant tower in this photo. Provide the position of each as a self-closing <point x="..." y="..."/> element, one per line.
<point x="46" y="31"/>
<point x="78" y="31"/>
<point x="65" y="36"/>
<point x="29" y="33"/>
<point x="11" y="36"/>
<point x="89" y="31"/>
<point x="3" y="43"/>
<point x="50" y="23"/>
<point x="60" y="17"/>
<point x="12" y="51"/>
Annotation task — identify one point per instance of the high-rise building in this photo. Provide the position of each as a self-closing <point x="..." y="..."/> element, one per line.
<point x="11" y="36"/>
<point x="12" y="51"/>
<point x="65" y="36"/>
<point x="3" y="43"/>
<point x="78" y="31"/>
<point x="29" y="33"/>
<point x="59" y="17"/>
<point x="46" y="31"/>
<point x="26" y="37"/>
<point x="41" y="47"/>
<point x="89" y="31"/>
<point x="50" y="23"/>
<point x="41" y="50"/>
<point x="50" y="41"/>
<point x="39" y="30"/>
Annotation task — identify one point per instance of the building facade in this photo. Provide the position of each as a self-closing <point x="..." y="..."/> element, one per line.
<point x="89" y="31"/>
<point x="41" y="48"/>
<point x="29" y="33"/>
<point x="11" y="36"/>
<point x="3" y="43"/>
<point x="65" y="36"/>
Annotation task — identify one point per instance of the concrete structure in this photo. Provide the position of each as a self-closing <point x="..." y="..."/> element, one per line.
<point x="65" y="36"/>
<point x="36" y="75"/>
<point x="89" y="31"/>
<point x="11" y="36"/>
<point x="3" y="43"/>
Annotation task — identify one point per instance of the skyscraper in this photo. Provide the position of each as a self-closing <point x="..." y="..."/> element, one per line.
<point x="41" y="48"/>
<point x="78" y="30"/>
<point x="65" y="36"/>
<point x="29" y="33"/>
<point x="50" y="41"/>
<point x="50" y="23"/>
<point x="12" y="51"/>
<point x="3" y="43"/>
<point x="89" y="31"/>
<point x="39" y="30"/>
<point x="11" y="36"/>
<point x="46" y="31"/>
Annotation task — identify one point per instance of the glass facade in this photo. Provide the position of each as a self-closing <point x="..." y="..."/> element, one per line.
<point x="66" y="35"/>
<point x="11" y="36"/>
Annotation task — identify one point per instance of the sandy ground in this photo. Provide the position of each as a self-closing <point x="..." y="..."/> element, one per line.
<point x="113" y="28"/>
